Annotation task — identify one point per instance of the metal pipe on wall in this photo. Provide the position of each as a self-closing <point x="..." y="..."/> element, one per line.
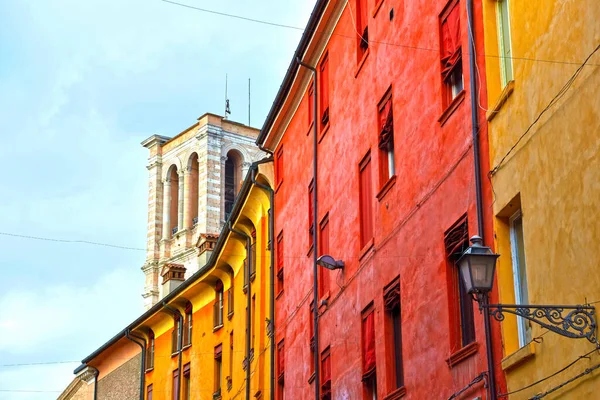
<point x="129" y="336"/>
<point x="176" y="313"/>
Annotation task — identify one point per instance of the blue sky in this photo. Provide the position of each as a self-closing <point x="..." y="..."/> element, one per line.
<point x="82" y="83"/>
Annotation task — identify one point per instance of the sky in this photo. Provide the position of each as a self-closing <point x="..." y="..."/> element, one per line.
<point x="82" y="83"/>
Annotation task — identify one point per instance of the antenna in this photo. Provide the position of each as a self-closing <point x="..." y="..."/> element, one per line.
<point x="248" y="101"/>
<point x="227" y="109"/>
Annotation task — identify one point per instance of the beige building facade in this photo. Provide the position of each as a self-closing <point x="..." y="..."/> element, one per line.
<point x="193" y="180"/>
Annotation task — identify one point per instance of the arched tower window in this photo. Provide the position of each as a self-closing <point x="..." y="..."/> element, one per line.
<point x="173" y="178"/>
<point x="194" y="193"/>
<point x="233" y="178"/>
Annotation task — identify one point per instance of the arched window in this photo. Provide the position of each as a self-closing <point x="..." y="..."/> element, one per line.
<point x="173" y="178"/>
<point x="218" y="311"/>
<point x="233" y="178"/>
<point x="150" y="351"/>
<point x="194" y="193"/>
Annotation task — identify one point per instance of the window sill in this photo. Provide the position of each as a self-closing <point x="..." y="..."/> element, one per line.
<point x="311" y="378"/>
<point x="377" y="8"/>
<point x="362" y="62"/>
<point x="278" y="186"/>
<point x="187" y="346"/>
<point x="518" y="357"/>
<point x="323" y="131"/>
<point x="174" y="354"/>
<point x="462" y="354"/>
<point x="365" y="250"/>
<point x="149" y="370"/>
<point x="452" y="107"/>
<point x="310" y="127"/>
<point x="506" y="92"/>
<point x="396" y="394"/>
<point x="279" y="295"/>
<point x="216" y="328"/>
<point x="230" y="315"/>
<point x="310" y="249"/>
<point x="386" y="188"/>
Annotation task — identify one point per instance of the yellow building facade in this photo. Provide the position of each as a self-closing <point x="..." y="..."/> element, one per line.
<point x="544" y="137"/>
<point x="194" y="339"/>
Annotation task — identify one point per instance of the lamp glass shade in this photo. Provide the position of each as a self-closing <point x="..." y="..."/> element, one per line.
<point x="465" y="272"/>
<point x="477" y="271"/>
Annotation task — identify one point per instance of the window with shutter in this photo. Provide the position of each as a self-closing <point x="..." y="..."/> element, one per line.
<point x="451" y="52"/>
<point x="366" y="201"/>
<point x="323" y="249"/>
<point x="324" y="93"/>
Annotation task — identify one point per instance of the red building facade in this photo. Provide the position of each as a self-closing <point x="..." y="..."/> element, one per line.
<point x="396" y="201"/>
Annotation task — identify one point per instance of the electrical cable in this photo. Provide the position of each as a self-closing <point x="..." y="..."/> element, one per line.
<point x="554" y="389"/>
<point x="70" y="241"/>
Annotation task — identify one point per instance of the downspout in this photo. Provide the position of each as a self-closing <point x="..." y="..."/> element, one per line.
<point x="96" y="383"/>
<point x="179" y="337"/>
<point x="129" y="336"/>
<point x="478" y="190"/>
<point x="271" y="277"/>
<point x="314" y="233"/>
<point x="248" y="306"/>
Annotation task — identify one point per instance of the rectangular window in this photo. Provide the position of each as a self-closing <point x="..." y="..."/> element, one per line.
<point x="230" y="377"/>
<point x="505" y="52"/>
<point x="462" y="324"/>
<point x="218" y="306"/>
<point x="393" y="333"/>
<point x="279" y="166"/>
<point x="230" y="301"/>
<point x="517" y="247"/>
<point x="176" y="335"/>
<point x="451" y="52"/>
<point x="311" y="335"/>
<point x="150" y="352"/>
<point x="218" y="369"/>
<point x="386" y="138"/>
<point x="311" y="215"/>
<point x="362" y="27"/>
<point x="323" y="249"/>
<point x="187" y="326"/>
<point x="326" y="375"/>
<point x="187" y="392"/>
<point x="280" y="369"/>
<point x="366" y="201"/>
<point x="252" y="323"/>
<point x="311" y="103"/>
<point x="176" y="384"/>
<point x="324" y="93"/>
<point x="149" y="392"/>
<point x="369" y="369"/>
<point x="280" y="263"/>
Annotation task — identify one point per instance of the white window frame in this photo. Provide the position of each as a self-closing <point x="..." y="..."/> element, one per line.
<point x="523" y="325"/>
<point x="506" y="65"/>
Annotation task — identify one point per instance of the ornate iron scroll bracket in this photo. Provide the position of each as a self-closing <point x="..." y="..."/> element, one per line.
<point x="577" y="322"/>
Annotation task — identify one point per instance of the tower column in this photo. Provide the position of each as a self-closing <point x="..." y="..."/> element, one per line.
<point x="166" y="233"/>
<point x="180" y="202"/>
<point x="187" y="199"/>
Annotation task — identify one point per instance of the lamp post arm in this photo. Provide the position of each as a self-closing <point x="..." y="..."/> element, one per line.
<point x="577" y="322"/>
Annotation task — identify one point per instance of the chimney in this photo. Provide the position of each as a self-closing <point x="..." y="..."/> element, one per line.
<point x="206" y="245"/>
<point x="173" y="275"/>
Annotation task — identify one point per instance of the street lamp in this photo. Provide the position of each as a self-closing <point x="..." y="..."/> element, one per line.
<point x="478" y="265"/>
<point x="326" y="261"/>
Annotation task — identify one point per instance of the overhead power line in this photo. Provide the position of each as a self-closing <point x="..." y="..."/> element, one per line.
<point x="371" y="41"/>
<point x="47" y="239"/>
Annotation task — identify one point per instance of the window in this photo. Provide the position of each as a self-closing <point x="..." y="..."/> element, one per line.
<point x="362" y="27"/>
<point x="253" y="323"/>
<point x="280" y="263"/>
<point x="230" y="377"/>
<point x="326" y="375"/>
<point x="230" y="301"/>
<point x="171" y="210"/>
<point x="280" y="369"/>
<point x="517" y="247"/>
<point x="187" y="392"/>
<point x="366" y="201"/>
<point x="218" y="307"/>
<point x="187" y="325"/>
<point x="311" y="211"/>
<point x="176" y="335"/>
<point x="311" y="334"/>
<point x="393" y="327"/>
<point x="324" y="94"/>
<point x="279" y="167"/>
<point x="451" y="52"/>
<point x="369" y="369"/>
<point x="175" y="385"/>
<point x="311" y="103"/>
<point x="505" y="52"/>
<point x="149" y="392"/>
<point x="323" y="249"/>
<point x="386" y="138"/>
<point x="150" y="351"/>
<point x="462" y="325"/>
<point x="218" y="370"/>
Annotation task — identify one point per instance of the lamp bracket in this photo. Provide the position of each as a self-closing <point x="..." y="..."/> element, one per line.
<point x="577" y="322"/>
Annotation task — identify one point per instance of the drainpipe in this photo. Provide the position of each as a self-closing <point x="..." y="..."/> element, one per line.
<point x="142" y="345"/>
<point x="248" y="306"/>
<point x="315" y="243"/>
<point x="271" y="277"/>
<point x="478" y="190"/>
<point x="96" y="373"/>
<point x="180" y="328"/>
